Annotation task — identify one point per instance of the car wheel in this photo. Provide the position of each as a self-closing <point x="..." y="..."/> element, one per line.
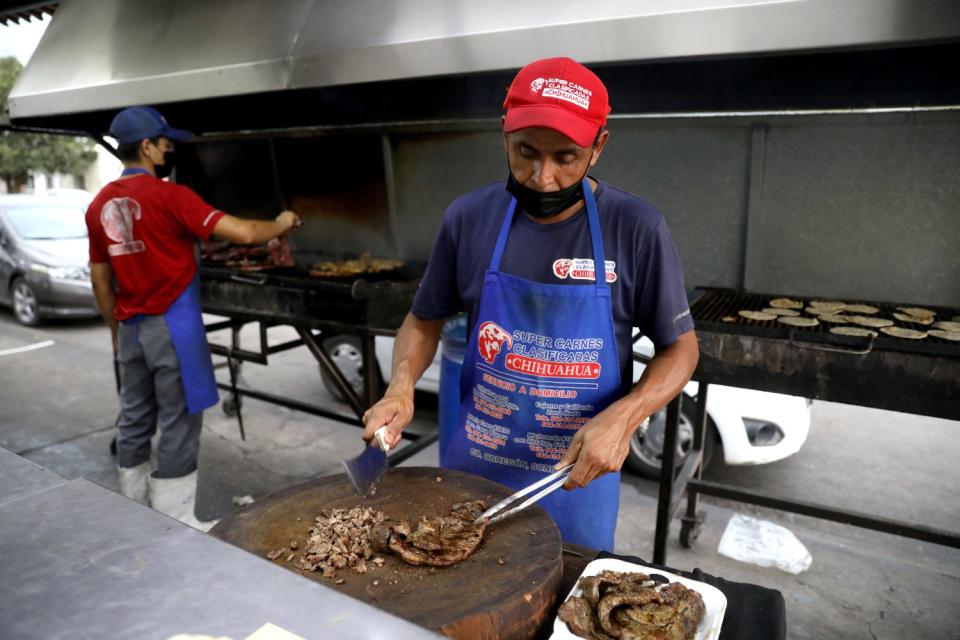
<point x="347" y="353"/>
<point x="646" y="449"/>
<point x="26" y="309"/>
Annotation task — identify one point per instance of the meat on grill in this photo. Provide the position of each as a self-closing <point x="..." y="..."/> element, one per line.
<point x="439" y="542"/>
<point x="363" y="264"/>
<point x="632" y="606"/>
<point x="260" y="257"/>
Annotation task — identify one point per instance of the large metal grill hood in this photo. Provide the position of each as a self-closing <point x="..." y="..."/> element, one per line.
<point x="102" y="55"/>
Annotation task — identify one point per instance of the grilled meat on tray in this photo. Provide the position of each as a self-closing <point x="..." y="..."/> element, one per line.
<point x="632" y="606"/>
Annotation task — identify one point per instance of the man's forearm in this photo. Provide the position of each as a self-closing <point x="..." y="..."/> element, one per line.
<point x="664" y="377"/>
<point x="413" y="352"/>
<point x="106" y="302"/>
<point x="101" y="277"/>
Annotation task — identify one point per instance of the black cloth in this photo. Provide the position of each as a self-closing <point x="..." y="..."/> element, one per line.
<point x="753" y="612"/>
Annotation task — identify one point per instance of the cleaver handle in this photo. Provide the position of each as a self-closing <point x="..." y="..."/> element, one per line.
<point x="379" y="435"/>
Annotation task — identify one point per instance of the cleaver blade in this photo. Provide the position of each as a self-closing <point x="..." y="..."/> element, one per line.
<point x="366" y="470"/>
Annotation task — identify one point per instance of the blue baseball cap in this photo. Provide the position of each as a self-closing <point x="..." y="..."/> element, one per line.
<point x="139" y="123"/>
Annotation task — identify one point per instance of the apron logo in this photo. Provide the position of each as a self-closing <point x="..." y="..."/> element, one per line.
<point x="582" y="269"/>
<point x="490" y="340"/>
<point x="550" y="369"/>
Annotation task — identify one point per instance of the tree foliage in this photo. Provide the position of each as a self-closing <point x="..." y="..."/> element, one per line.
<point x="22" y="153"/>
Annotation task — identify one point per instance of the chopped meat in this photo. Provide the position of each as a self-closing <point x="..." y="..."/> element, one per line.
<point x="439" y="542"/>
<point x="632" y="606"/>
<point x="276" y="553"/>
<point x="340" y="539"/>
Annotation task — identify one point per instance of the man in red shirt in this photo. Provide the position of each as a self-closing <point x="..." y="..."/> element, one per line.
<point x="143" y="234"/>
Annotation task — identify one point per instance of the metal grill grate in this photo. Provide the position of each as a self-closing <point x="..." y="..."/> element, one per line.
<point x="712" y="305"/>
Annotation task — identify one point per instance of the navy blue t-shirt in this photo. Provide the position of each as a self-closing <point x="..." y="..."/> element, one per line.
<point x="643" y="269"/>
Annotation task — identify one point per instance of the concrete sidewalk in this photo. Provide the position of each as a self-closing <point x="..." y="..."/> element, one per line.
<point x="57" y="408"/>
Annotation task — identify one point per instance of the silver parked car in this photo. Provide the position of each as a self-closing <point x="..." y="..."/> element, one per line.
<point x="44" y="260"/>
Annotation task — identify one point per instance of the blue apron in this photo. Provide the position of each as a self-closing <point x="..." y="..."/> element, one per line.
<point x="540" y="363"/>
<point x="185" y="325"/>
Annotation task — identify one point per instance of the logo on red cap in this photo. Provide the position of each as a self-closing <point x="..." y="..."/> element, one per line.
<point x="559" y="94"/>
<point x="562" y="90"/>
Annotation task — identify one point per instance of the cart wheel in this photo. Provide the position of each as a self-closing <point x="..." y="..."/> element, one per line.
<point x="690" y="529"/>
<point x="231" y="405"/>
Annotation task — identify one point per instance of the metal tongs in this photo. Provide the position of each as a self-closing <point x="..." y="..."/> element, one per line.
<point x="553" y="481"/>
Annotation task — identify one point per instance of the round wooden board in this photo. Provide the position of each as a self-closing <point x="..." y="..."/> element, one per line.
<point x="477" y="598"/>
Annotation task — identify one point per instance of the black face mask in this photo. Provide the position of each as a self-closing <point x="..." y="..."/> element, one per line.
<point x="169" y="161"/>
<point x="545" y="204"/>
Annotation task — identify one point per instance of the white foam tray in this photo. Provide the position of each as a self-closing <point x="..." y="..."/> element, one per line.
<point x="714" y="602"/>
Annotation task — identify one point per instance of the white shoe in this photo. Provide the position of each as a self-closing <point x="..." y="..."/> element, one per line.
<point x="176" y="497"/>
<point x="133" y="481"/>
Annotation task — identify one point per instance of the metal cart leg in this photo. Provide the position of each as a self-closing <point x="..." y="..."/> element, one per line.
<point x="667" y="470"/>
<point x="369" y="369"/>
<point x="233" y="365"/>
<point x="693" y="520"/>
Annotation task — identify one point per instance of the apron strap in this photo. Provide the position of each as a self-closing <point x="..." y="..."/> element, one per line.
<point x="502" y="237"/>
<point x="593" y="221"/>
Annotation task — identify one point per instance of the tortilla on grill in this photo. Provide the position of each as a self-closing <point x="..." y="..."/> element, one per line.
<point x="854" y="331"/>
<point x="728" y="319"/>
<point x="860" y="308"/>
<point x="952" y="336"/>
<point x="834" y="318"/>
<point x="756" y="315"/>
<point x="947" y="325"/>
<point x="901" y="332"/>
<point x="867" y="321"/>
<point x="819" y="311"/>
<point x="836" y="305"/>
<point x="917" y="311"/>
<point x="786" y="303"/>
<point x="798" y="322"/>
<point x="906" y="317"/>
<point x="780" y="312"/>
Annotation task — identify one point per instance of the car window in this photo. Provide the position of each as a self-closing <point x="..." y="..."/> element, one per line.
<point x="48" y="221"/>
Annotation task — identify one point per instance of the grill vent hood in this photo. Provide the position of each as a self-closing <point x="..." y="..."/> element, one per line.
<point x="101" y="55"/>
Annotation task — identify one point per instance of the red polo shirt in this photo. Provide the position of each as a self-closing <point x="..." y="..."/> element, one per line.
<point x="147" y="229"/>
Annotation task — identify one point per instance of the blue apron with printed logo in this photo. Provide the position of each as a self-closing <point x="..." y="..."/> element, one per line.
<point x="540" y="363"/>
<point x="185" y="324"/>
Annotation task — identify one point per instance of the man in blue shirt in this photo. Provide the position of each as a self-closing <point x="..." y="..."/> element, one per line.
<point x="546" y="381"/>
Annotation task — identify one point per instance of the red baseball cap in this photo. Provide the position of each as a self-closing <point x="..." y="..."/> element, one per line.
<point x="559" y="94"/>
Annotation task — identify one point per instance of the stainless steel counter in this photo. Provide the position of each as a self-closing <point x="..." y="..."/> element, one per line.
<point x="78" y="561"/>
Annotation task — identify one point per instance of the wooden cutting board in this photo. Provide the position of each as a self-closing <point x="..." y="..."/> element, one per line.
<point x="505" y="589"/>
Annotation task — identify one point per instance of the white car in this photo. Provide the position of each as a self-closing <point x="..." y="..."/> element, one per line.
<point x="754" y="427"/>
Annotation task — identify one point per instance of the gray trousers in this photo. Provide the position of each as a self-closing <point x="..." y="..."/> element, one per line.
<point x="151" y="397"/>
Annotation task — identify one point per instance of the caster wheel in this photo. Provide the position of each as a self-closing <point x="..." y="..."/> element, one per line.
<point x="690" y="529"/>
<point x="230" y="406"/>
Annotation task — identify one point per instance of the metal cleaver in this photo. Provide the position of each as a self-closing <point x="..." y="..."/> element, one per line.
<point x="368" y="468"/>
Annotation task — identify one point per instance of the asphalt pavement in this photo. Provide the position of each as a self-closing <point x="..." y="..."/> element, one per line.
<point x="58" y="406"/>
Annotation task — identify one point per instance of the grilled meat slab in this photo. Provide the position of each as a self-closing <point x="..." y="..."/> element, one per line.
<point x="438" y="542"/>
